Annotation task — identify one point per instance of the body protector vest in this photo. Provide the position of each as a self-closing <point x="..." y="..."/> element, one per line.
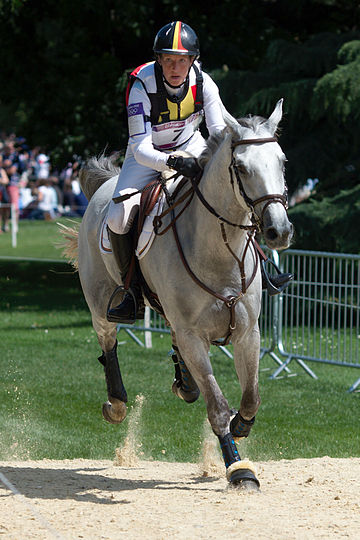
<point x="174" y="119"/>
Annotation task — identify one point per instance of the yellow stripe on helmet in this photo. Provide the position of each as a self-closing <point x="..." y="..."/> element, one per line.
<point x="177" y="45"/>
<point x="176" y="37"/>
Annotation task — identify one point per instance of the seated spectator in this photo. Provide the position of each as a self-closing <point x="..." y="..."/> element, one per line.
<point x="30" y="210"/>
<point x="54" y="182"/>
<point x="46" y="202"/>
<point x="81" y="203"/>
<point x="70" y="203"/>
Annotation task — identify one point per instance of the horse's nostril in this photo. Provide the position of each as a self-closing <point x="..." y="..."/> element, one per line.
<point x="271" y="233"/>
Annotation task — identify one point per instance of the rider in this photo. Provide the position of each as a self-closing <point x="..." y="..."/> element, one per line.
<point x="167" y="100"/>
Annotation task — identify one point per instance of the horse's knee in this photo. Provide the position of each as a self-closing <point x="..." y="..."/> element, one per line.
<point x="250" y="403"/>
<point x="217" y="408"/>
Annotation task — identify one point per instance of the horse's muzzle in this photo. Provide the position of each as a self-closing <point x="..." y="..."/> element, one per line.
<point x="279" y="236"/>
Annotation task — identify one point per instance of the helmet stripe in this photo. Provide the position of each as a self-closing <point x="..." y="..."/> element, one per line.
<point x="177" y="45"/>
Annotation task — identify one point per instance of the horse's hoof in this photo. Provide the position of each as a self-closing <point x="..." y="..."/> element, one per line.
<point x="188" y="397"/>
<point x="114" y="412"/>
<point x="244" y="479"/>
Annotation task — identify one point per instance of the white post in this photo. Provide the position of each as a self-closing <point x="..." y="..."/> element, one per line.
<point x="148" y="337"/>
<point x="14" y="226"/>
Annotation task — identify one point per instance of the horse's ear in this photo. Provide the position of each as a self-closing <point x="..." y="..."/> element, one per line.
<point x="229" y="120"/>
<point x="273" y="121"/>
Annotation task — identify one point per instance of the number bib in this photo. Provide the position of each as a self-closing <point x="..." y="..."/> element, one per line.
<point x="172" y="134"/>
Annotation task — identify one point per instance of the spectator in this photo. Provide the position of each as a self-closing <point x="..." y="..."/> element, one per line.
<point x="13" y="186"/>
<point x="4" y="198"/>
<point x="25" y="172"/>
<point x="54" y="182"/>
<point x="47" y="199"/>
<point x="43" y="166"/>
<point x="70" y="202"/>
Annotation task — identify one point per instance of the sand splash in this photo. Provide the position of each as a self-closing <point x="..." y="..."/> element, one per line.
<point x="127" y="454"/>
<point x="211" y="463"/>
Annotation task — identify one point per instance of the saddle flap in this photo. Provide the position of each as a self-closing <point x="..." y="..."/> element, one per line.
<point x="148" y="200"/>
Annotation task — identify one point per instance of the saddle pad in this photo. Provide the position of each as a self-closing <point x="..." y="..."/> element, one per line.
<point x="146" y="237"/>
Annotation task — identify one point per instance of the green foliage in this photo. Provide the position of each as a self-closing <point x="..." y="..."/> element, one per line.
<point x="337" y="94"/>
<point x="328" y="223"/>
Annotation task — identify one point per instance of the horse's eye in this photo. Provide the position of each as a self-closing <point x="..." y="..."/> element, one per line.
<point x="241" y="169"/>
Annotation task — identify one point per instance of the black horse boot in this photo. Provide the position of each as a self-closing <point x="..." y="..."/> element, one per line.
<point x="132" y="306"/>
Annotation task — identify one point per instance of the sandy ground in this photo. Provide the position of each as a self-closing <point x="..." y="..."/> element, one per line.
<point x="317" y="498"/>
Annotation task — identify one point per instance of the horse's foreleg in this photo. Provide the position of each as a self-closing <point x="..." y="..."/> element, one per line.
<point x="196" y="353"/>
<point x="246" y="355"/>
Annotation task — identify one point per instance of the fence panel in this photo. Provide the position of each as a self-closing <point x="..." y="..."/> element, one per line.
<point x="319" y="313"/>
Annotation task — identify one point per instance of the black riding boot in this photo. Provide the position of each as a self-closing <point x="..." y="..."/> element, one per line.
<point x="274" y="284"/>
<point x="132" y="306"/>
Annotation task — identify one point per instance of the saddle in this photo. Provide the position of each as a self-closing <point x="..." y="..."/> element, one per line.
<point x="149" y="198"/>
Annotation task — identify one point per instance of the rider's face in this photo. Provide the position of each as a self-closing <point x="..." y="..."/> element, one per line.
<point x="175" y="67"/>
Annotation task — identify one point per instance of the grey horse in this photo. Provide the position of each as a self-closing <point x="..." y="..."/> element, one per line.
<point x="204" y="271"/>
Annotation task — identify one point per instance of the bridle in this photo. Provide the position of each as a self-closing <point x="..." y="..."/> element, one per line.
<point x="251" y="204"/>
<point x="252" y="228"/>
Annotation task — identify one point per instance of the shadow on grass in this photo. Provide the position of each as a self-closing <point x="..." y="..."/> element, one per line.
<point x="39" y="286"/>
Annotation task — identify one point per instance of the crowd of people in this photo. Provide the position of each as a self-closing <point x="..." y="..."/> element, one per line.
<point x="30" y="183"/>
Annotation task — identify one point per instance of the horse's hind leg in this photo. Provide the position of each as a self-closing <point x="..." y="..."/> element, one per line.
<point x="114" y="409"/>
<point x="184" y="385"/>
<point x="97" y="290"/>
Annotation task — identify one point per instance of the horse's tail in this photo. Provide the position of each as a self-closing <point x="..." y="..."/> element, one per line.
<point x="96" y="171"/>
<point x="69" y="243"/>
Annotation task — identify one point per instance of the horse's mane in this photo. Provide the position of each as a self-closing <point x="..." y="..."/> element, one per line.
<point x="212" y="144"/>
<point x="250" y="121"/>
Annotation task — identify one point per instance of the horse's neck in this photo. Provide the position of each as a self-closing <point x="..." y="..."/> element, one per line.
<point x="202" y="232"/>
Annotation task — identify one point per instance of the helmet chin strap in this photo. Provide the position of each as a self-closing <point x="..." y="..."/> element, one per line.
<point x="175" y="87"/>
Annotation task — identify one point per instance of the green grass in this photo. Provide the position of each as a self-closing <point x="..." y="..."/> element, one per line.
<point x="35" y="239"/>
<point x="52" y="386"/>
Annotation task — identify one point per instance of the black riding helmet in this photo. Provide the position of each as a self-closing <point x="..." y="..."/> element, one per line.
<point x="177" y="38"/>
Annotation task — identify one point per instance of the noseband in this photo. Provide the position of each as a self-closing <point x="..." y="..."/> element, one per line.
<point x="270" y="199"/>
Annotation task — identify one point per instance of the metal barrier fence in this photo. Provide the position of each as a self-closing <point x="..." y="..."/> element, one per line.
<point x="317" y="318"/>
<point x="319" y="314"/>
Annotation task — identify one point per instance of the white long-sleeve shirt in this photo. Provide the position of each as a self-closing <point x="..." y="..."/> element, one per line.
<point x="141" y="145"/>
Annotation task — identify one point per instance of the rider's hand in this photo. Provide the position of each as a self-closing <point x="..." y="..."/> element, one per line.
<point x="187" y="166"/>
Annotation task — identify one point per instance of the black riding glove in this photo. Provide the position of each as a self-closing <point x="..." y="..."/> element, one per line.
<point x="187" y="166"/>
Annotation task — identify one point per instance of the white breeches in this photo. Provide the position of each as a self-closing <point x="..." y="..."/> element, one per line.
<point x="133" y="177"/>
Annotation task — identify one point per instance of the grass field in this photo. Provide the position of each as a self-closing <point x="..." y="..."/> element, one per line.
<point x="52" y="385"/>
<point x="35" y="239"/>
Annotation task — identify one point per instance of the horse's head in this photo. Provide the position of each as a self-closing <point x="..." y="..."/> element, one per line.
<point x="257" y="170"/>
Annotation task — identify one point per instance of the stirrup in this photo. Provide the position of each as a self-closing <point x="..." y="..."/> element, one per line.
<point x="276" y="284"/>
<point x="139" y="307"/>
